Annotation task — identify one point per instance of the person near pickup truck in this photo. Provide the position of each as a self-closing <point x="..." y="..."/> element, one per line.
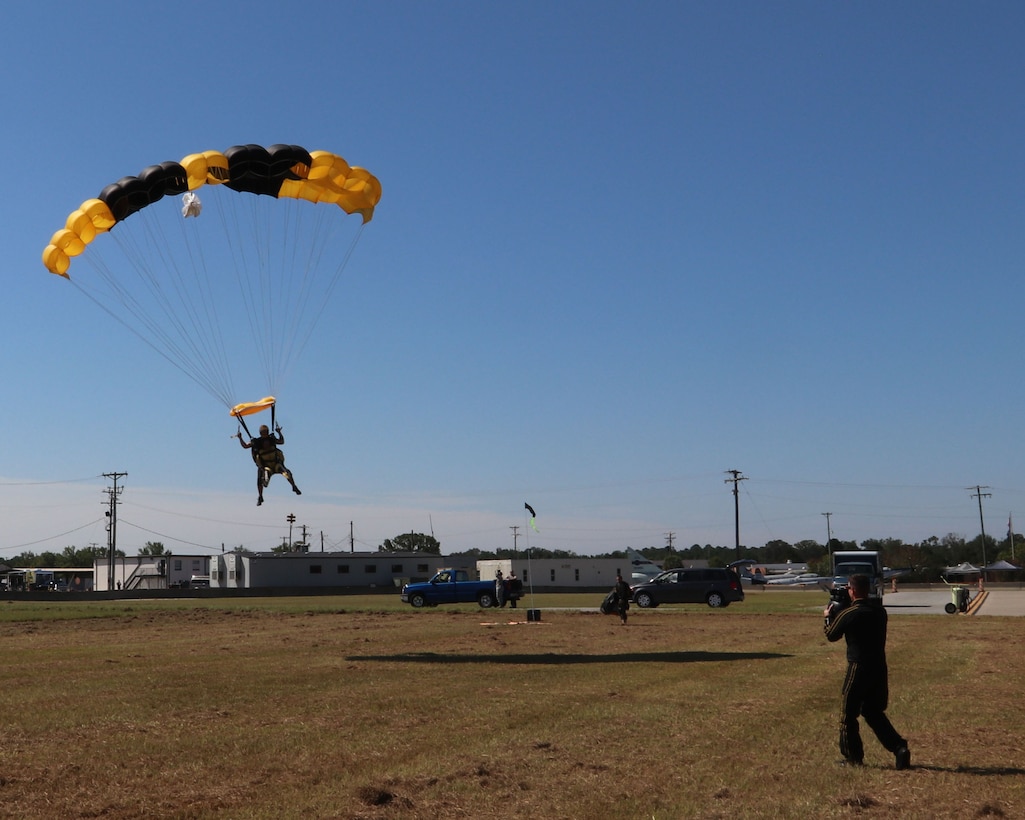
<point x="499" y="589"/>
<point x="514" y="588"/>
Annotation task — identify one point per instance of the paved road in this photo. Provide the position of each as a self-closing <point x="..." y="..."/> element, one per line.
<point x="932" y="602"/>
<point x="1003" y="602"/>
<point x="909" y="601"/>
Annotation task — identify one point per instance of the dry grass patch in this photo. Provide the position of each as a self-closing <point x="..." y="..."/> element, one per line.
<point x="261" y="713"/>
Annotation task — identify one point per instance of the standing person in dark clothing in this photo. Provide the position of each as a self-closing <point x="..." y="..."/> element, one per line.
<point x="622" y="590"/>
<point x="515" y="586"/>
<point x="865" y="689"/>
<point x="499" y="589"/>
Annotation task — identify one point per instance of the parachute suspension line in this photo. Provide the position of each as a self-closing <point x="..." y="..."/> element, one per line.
<point x="284" y="275"/>
<point x="292" y="225"/>
<point x="242" y="421"/>
<point x="202" y="283"/>
<point x="190" y="344"/>
<point x="301" y="285"/>
<point x="289" y="279"/>
<point x="336" y="277"/>
<point x="186" y="310"/>
<point x="181" y="365"/>
<point x="145" y="322"/>
<point x="285" y="278"/>
<point x="238" y="218"/>
<point x="274" y="280"/>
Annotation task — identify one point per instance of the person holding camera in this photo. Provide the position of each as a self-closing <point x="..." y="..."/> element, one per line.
<point x="865" y="690"/>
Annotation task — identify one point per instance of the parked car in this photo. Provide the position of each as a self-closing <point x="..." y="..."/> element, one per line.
<point x="715" y="587"/>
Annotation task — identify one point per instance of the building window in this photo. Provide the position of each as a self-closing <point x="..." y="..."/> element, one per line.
<point x="396" y="569"/>
<point x="178" y="565"/>
<point x="553" y="576"/>
<point x="370" y="569"/>
<point x="423" y="569"/>
<point x="316" y="569"/>
<point x="343" y="569"/>
<point x="576" y="575"/>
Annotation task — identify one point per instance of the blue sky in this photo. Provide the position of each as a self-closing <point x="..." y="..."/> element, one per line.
<point x="622" y="249"/>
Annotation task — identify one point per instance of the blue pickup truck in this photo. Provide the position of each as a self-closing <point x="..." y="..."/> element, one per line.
<point x="450" y="586"/>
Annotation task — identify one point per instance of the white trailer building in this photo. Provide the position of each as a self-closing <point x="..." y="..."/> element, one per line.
<point x="148" y="571"/>
<point x="298" y="570"/>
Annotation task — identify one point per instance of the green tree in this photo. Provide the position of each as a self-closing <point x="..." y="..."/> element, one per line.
<point x="412" y="542"/>
<point x="74" y="557"/>
<point x="810" y="550"/>
<point x="153" y="548"/>
<point x="779" y="552"/>
<point x="68" y="557"/>
<point x="31" y="559"/>
<point x="672" y="561"/>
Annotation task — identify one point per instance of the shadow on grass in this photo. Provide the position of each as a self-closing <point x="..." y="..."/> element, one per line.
<point x="551" y="658"/>
<point x="982" y="771"/>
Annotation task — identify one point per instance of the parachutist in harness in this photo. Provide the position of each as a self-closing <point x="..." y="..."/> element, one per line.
<point x="268" y="458"/>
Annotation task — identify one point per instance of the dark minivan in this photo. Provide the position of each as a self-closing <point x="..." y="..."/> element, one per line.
<point x="715" y="587"/>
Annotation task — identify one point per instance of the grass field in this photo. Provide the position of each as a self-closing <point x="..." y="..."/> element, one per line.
<point x="358" y="707"/>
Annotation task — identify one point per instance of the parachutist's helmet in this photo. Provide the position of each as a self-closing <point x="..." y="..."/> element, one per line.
<point x="264" y="430"/>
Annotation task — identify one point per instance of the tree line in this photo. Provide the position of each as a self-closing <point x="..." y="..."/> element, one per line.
<point x="926" y="559"/>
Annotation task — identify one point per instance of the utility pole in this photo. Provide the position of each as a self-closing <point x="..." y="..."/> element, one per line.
<point x="352" y="539"/>
<point x="290" y="518"/>
<point x="112" y="497"/>
<point x="669" y="540"/>
<point x="735" y="480"/>
<point x="829" y="534"/>
<point x="979" y="494"/>
<point x="1010" y="533"/>
<point x="516" y="535"/>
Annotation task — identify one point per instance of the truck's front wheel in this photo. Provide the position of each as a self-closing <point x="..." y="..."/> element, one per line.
<point x="417" y="600"/>
<point x="486" y="600"/>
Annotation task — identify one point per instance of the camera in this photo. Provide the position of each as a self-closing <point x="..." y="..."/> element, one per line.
<point x="839" y="599"/>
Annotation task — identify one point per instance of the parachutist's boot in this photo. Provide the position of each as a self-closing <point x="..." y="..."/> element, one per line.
<point x="259" y="501"/>
<point x="296" y="490"/>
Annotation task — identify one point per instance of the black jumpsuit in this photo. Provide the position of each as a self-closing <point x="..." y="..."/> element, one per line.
<point x="865" y="687"/>
<point x="622" y="590"/>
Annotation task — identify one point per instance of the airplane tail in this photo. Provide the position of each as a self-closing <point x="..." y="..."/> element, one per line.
<point x="641" y="567"/>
